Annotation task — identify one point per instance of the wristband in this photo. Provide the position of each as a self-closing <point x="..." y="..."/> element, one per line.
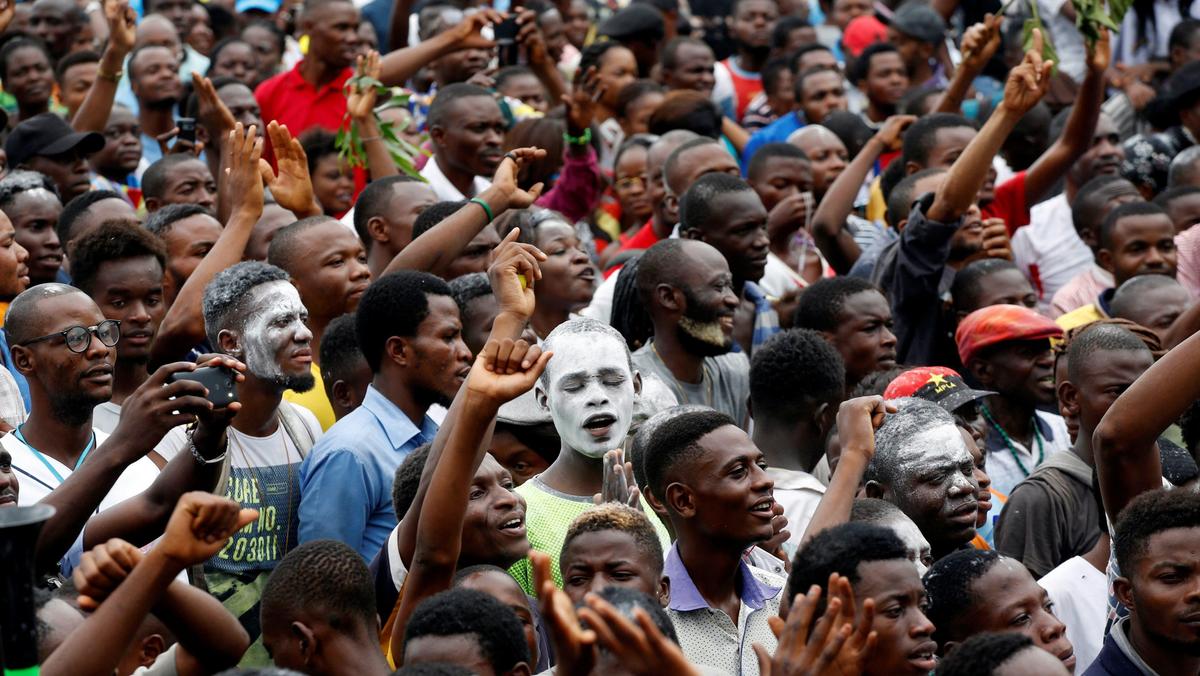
<point x="581" y="140"/>
<point x="486" y="208"/>
<point x="111" y="77"/>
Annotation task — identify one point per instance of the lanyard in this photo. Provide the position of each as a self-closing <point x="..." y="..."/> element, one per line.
<point x="38" y="454"/>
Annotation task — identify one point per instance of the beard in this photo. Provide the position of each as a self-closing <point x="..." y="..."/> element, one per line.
<point x="298" y="383"/>
<point x="73" y="408"/>
<point x="699" y="330"/>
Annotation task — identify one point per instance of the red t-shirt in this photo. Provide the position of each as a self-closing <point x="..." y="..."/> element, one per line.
<point x="1009" y="203"/>
<point x="644" y="238"/>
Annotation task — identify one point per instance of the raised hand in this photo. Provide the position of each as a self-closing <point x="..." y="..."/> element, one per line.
<point x="514" y="271"/>
<point x="892" y="131"/>
<point x="466" y="34"/>
<point x="8" y="9"/>
<point x="200" y="526"/>
<point x="292" y="186"/>
<point x="619" y="483"/>
<point x="862" y="639"/>
<point x="505" y="178"/>
<point x="638" y="645"/>
<point x="506" y="369"/>
<point x="581" y="104"/>
<point x="213" y="114"/>
<point x="1028" y="82"/>
<point x="574" y="646"/>
<point x="122" y="24"/>
<point x="531" y="39"/>
<point x="829" y="647"/>
<point x="243" y="175"/>
<point x="1099" y="55"/>
<point x="857" y="420"/>
<point x="361" y="102"/>
<point x="980" y="43"/>
<point x="102" y="569"/>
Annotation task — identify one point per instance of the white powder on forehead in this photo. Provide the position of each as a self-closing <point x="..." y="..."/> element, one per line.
<point x="934" y="448"/>
<point x="914" y="541"/>
<point x="260" y="338"/>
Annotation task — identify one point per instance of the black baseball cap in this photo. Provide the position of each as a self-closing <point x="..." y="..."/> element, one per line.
<point x="48" y="134"/>
<point x="920" y="21"/>
<point x="635" y="20"/>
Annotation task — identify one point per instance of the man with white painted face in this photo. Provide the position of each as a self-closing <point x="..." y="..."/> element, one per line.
<point x="589" y="387"/>
<point x="687" y="289"/>
<point x="410" y="334"/>
<point x="252" y="312"/>
<point x="922" y="466"/>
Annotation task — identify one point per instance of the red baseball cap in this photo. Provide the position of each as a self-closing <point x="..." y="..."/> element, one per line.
<point x="862" y="32"/>
<point x="1001" y="324"/>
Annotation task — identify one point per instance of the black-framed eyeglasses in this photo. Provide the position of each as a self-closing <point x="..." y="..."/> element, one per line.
<point x="78" y="338"/>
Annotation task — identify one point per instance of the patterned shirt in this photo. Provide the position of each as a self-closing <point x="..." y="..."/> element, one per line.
<point x="766" y="322"/>
<point x="707" y="636"/>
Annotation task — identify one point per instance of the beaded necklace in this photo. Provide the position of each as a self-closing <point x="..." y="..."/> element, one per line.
<point x="1009" y="444"/>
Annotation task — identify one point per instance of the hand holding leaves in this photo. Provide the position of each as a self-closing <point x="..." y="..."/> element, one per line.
<point x="360" y="102"/>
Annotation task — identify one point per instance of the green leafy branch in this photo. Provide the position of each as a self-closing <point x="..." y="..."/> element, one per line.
<point x="1090" y="15"/>
<point x="349" y="141"/>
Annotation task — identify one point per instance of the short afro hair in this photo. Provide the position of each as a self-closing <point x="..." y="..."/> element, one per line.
<point x="1147" y="515"/>
<point x="686" y="109"/>
<point x="983" y="654"/>
<point x="466" y="612"/>
<point x="874" y="510"/>
<point x="676" y="156"/>
<point x="768" y="152"/>
<point x="154" y="180"/>
<point x="821" y="304"/>
<point x="76" y="209"/>
<point x="394" y="305"/>
<point x="112" y="241"/>
<point x="1094" y="342"/>
<point x="1086" y="211"/>
<point x="901" y="197"/>
<point x="625" y="600"/>
<point x="919" y="139"/>
<point x="793" y="372"/>
<point x="434" y="214"/>
<point x="948" y="589"/>
<point x="1127" y="210"/>
<point x="408" y="479"/>
<point x="841" y="549"/>
<point x="968" y="283"/>
<point x="284" y="250"/>
<point x="677" y="440"/>
<point x="446" y="96"/>
<point x="339" y="349"/>
<point x="613" y="516"/>
<point x="640" y="447"/>
<point x="697" y="206"/>
<point x="861" y="67"/>
<point x="225" y="297"/>
<point x="468" y="288"/>
<point x="318" y="143"/>
<point x="325" y="579"/>
<point x="21" y="181"/>
<point x="374" y="200"/>
<point x="160" y="222"/>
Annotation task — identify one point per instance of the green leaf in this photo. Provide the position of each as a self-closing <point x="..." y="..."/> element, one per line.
<point x="1048" y="52"/>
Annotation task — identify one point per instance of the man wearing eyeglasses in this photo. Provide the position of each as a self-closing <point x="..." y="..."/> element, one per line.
<point x="63" y="345"/>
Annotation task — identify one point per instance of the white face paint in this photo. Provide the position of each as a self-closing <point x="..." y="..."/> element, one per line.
<point x="915" y="543"/>
<point x="590" y="392"/>
<point x="939" y="449"/>
<point x="275" y="319"/>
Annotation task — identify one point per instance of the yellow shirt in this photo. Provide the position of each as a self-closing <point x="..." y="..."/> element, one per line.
<point x="314" y="400"/>
<point x="1079" y="316"/>
<point x="876" y="205"/>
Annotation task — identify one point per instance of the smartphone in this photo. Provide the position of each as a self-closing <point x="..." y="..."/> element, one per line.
<point x="505" y="35"/>
<point x="220" y="381"/>
<point x="187" y="129"/>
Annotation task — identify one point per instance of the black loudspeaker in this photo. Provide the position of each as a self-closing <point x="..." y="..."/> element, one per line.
<point x="19" y="529"/>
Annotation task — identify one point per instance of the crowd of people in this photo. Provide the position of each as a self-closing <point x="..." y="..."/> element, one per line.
<point x="360" y="337"/>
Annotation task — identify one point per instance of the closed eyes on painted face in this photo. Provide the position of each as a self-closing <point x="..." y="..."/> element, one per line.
<point x="591" y="392"/>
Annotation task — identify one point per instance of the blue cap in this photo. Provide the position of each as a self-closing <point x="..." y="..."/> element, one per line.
<point x="267" y="6"/>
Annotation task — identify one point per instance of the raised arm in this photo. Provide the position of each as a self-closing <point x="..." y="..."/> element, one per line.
<point x="98" y="104"/>
<point x="1125" y="441"/>
<point x="183" y="326"/>
<point x="153" y="409"/>
<point x="218" y="122"/>
<point x="494" y="380"/>
<point x="361" y="106"/>
<point x="1027" y="84"/>
<point x="979" y="44"/>
<point x="403" y="63"/>
<point x="209" y="638"/>
<point x="857" y="420"/>
<point x="198" y="529"/>
<point x="1077" y="135"/>
<point x="436" y="249"/>
<point x="828" y="227"/>
<point x="531" y="40"/>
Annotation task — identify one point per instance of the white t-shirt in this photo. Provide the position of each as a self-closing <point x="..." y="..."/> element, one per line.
<point x="106" y="416"/>
<point x="1048" y="250"/>
<point x="36" y="472"/>
<point x="1080" y="596"/>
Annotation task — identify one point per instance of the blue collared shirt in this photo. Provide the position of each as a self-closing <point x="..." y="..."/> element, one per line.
<point x="706" y="634"/>
<point x="346" y="480"/>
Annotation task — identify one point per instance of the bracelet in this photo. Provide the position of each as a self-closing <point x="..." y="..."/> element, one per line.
<point x="198" y="457"/>
<point x="486" y="208"/>
<point x="370" y="138"/>
<point x="111" y="77"/>
<point x="581" y="140"/>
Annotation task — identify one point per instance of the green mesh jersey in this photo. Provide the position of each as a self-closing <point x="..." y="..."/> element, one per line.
<point x="548" y="515"/>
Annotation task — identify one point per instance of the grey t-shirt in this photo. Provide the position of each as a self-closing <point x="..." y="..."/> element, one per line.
<point x="725" y="385"/>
